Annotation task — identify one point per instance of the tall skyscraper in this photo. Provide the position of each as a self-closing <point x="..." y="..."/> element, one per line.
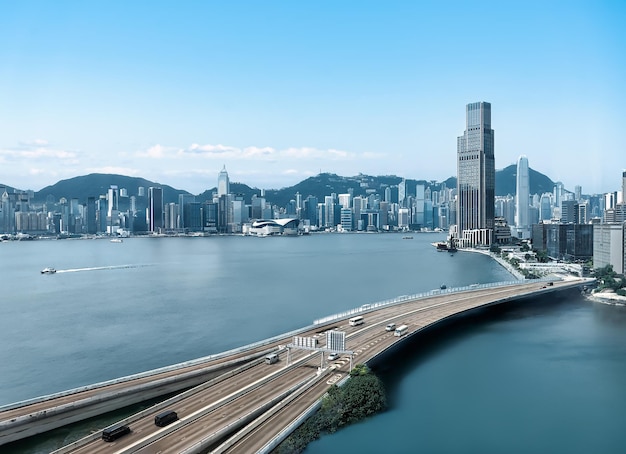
<point x="522" y="203"/>
<point x="223" y="185"/>
<point x="476" y="176"/>
<point x="155" y="209"/>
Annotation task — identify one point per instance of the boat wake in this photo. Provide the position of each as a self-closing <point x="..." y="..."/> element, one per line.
<point x="100" y="268"/>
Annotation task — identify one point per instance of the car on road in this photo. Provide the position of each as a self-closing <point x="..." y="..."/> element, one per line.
<point x="333" y="356"/>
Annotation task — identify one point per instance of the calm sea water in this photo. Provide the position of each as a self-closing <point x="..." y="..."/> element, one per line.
<point x="549" y="375"/>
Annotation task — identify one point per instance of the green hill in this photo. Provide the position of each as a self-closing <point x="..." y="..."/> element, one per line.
<point x="95" y="184"/>
<point x="318" y="186"/>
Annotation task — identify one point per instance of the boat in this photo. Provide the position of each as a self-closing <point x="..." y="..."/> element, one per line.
<point x="443" y="287"/>
<point x="407" y="237"/>
<point x="48" y="270"/>
<point x="117" y="240"/>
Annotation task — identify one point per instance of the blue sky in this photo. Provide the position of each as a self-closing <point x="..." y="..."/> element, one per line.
<point x="278" y="91"/>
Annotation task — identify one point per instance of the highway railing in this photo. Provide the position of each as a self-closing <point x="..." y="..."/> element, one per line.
<point x="406" y="298"/>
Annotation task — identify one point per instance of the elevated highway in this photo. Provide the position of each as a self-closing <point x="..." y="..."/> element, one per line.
<point x="239" y="403"/>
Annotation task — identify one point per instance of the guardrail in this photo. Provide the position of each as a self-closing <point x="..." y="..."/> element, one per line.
<point x="406" y="298"/>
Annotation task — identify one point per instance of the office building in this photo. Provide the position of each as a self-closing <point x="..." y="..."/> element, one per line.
<point x="476" y="175"/>
<point x="608" y="246"/>
<point x="155" y="210"/>
<point x="223" y="184"/>
<point x="522" y="202"/>
<point x="564" y="241"/>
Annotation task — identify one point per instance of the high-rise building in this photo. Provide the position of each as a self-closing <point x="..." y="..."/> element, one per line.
<point x="578" y="193"/>
<point x="223" y="184"/>
<point x="522" y="203"/>
<point x="155" y="209"/>
<point x="476" y="177"/>
<point x="545" y="207"/>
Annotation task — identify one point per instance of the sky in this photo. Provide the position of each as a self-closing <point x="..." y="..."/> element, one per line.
<point x="278" y="91"/>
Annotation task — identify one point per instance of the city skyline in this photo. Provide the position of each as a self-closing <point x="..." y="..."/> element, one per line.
<point x="278" y="93"/>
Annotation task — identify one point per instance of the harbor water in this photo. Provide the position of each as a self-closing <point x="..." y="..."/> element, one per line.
<point x="547" y="374"/>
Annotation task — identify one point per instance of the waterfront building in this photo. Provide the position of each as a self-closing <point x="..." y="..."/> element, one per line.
<point x="155" y="209"/>
<point x="564" y="241"/>
<point x="384" y="215"/>
<point x="223" y="184"/>
<point x="310" y="210"/>
<point x="608" y="246"/>
<point x="346" y="219"/>
<point x="501" y="231"/>
<point x="209" y="216"/>
<point x="359" y="204"/>
<point x="522" y="194"/>
<point x="224" y="213"/>
<point x="419" y="210"/>
<point x="184" y="202"/>
<point x="90" y="213"/>
<point x="329" y="211"/>
<point x="171" y="217"/>
<point x="403" y="218"/>
<point x="476" y="177"/>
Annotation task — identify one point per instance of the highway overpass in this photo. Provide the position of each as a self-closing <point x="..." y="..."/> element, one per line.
<point x="238" y="403"/>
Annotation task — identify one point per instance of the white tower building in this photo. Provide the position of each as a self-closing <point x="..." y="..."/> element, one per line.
<point x="223" y="185"/>
<point x="522" y="192"/>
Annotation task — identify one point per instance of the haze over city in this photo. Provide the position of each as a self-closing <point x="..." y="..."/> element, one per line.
<point x="278" y="92"/>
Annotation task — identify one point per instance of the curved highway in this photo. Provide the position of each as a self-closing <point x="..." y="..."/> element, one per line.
<point x="246" y="409"/>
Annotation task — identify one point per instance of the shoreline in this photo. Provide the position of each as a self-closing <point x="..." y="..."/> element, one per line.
<point x="611" y="299"/>
<point x="507" y="266"/>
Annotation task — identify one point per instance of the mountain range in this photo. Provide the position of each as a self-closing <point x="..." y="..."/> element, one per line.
<point x="93" y="185"/>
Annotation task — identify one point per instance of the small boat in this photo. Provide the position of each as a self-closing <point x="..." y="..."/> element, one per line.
<point x="407" y="237"/>
<point x="117" y="240"/>
<point x="443" y="287"/>
<point x="48" y="270"/>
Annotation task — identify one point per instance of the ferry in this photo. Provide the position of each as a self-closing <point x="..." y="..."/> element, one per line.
<point x="48" y="270"/>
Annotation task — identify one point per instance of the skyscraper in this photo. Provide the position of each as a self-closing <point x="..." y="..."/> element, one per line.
<point x="155" y="209"/>
<point x="522" y="203"/>
<point x="476" y="176"/>
<point x="223" y="185"/>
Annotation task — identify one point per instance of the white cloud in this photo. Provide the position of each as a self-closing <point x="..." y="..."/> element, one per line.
<point x="38" y="153"/>
<point x="154" y="152"/>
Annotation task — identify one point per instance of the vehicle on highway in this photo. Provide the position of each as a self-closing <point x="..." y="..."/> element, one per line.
<point x="358" y="320"/>
<point x="333" y="356"/>
<point x="115" y="432"/>
<point x="271" y="358"/>
<point x="165" y="418"/>
<point x="390" y="327"/>
<point x="401" y="330"/>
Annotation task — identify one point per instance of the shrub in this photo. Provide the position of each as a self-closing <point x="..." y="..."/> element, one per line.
<point x="363" y="395"/>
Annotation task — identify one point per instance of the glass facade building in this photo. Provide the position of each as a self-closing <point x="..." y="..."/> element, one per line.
<point x="476" y="171"/>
